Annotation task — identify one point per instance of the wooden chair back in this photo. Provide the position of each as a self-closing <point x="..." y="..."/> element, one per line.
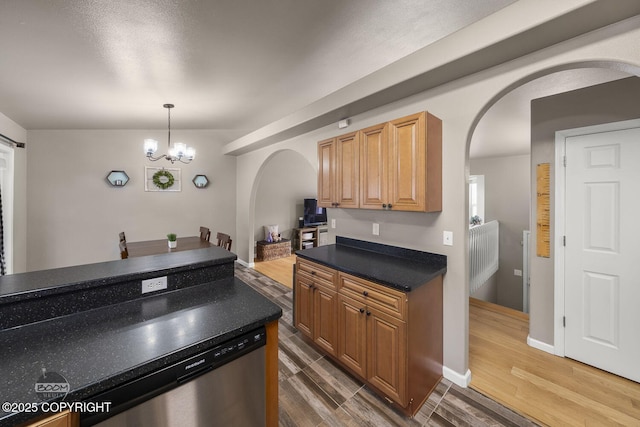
<point x="205" y="234"/>
<point x="124" y="252"/>
<point x="224" y="240"/>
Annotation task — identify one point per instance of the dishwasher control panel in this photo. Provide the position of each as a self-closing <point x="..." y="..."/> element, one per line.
<point x="221" y="354"/>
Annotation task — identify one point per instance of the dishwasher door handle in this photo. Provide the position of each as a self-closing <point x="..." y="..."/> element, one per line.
<point x="191" y="375"/>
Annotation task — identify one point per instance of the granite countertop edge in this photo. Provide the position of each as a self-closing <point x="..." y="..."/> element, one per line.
<point x="424" y="266"/>
<point x="149" y="271"/>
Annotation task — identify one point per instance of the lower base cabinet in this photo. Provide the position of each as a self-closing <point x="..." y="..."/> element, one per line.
<point x="63" y="419"/>
<point x="392" y="340"/>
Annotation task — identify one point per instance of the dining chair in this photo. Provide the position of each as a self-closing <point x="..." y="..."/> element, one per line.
<point x="122" y="237"/>
<point x="205" y="234"/>
<point x="224" y="240"/>
<point x="124" y="252"/>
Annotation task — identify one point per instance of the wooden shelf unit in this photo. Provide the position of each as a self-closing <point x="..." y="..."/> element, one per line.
<point x="298" y="236"/>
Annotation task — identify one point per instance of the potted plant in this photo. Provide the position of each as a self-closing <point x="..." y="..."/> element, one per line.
<point x="172" y="240"/>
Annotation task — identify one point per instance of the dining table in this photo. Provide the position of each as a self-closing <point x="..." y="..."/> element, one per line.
<point x="156" y="247"/>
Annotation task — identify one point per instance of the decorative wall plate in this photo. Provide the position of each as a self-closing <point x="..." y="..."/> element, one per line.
<point x="200" y="181"/>
<point x="118" y="178"/>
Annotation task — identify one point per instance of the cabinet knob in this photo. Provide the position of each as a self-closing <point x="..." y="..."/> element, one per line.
<point x="390" y="206"/>
<point x="368" y="313"/>
<point x="365" y="293"/>
<point x="384" y="206"/>
<point x="313" y="273"/>
<point x="312" y="286"/>
<point x="362" y="310"/>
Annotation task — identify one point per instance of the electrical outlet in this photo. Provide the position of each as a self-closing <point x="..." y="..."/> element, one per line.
<point x="376" y="229"/>
<point x="447" y="238"/>
<point x="333" y="223"/>
<point x="156" y="284"/>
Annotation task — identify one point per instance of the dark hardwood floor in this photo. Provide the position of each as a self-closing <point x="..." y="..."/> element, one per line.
<point x="315" y="392"/>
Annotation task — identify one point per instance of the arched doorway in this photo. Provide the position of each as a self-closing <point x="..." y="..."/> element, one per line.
<point x="511" y="355"/>
<point x="272" y="206"/>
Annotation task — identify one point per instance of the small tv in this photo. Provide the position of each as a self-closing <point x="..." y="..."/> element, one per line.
<point x="313" y="214"/>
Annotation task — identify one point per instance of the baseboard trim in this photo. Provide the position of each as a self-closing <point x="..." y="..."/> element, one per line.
<point x="245" y="264"/>
<point x="548" y="348"/>
<point x="456" y="378"/>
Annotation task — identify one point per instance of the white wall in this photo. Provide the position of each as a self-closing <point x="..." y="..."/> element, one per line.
<point x="460" y="105"/>
<point x="507" y="196"/>
<point x="11" y="129"/>
<point x="75" y="216"/>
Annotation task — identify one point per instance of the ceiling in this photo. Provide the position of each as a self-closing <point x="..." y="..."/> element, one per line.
<point x="229" y="65"/>
<point x="225" y="64"/>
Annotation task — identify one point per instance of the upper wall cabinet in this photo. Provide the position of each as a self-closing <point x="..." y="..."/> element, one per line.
<point x="338" y="172"/>
<point x="393" y="166"/>
<point x="415" y="163"/>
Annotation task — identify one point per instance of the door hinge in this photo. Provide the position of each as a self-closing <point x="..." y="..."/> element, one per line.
<point x="564" y="240"/>
<point x="564" y="322"/>
<point x="564" y="161"/>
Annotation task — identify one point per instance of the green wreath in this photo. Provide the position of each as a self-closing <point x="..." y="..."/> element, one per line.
<point x="163" y="179"/>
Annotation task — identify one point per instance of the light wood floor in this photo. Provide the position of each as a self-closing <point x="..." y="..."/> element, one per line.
<point x="280" y="269"/>
<point x="549" y="389"/>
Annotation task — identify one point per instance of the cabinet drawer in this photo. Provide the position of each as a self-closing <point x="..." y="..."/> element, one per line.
<point x="383" y="298"/>
<point x="319" y="273"/>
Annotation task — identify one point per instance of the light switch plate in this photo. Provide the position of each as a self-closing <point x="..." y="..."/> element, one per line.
<point x="447" y="238"/>
<point x="333" y="223"/>
<point x="376" y="229"/>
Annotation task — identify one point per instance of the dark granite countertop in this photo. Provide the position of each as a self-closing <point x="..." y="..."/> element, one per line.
<point x="34" y="284"/>
<point x="92" y="324"/>
<point x="100" y="348"/>
<point x="399" y="268"/>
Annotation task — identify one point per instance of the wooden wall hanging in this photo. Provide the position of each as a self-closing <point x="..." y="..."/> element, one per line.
<point x="543" y="211"/>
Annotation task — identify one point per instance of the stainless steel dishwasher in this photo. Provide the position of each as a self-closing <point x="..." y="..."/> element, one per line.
<point x="223" y="386"/>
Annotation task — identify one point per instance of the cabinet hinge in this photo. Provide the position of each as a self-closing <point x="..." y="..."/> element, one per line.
<point x="564" y="322"/>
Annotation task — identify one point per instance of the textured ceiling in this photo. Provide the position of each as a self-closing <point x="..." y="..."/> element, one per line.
<point x="232" y="65"/>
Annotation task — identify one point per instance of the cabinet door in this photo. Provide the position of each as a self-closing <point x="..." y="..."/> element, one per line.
<point x="373" y="166"/>
<point x="387" y="355"/>
<point x="352" y="344"/>
<point x="304" y="304"/>
<point x="326" y="173"/>
<point x="407" y="161"/>
<point x="347" y="176"/>
<point x="325" y="324"/>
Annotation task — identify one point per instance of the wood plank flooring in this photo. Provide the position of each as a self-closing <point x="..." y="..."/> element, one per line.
<point x="315" y="392"/>
<point x="280" y="270"/>
<point x="552" y="390"/>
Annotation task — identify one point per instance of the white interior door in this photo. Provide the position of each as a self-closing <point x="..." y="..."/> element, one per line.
<point x="602" y="253"/>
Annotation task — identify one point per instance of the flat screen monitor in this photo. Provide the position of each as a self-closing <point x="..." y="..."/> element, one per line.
<point x="313" y="214"/>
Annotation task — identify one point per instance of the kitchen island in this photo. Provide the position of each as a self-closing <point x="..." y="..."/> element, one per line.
<point x="92" y="325"/>
<point x="377" y="311"/>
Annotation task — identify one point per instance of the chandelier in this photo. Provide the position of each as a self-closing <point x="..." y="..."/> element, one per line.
<point x="178" y="153"/>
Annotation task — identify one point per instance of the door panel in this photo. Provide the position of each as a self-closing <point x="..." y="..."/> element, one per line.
<point x="304" y="304"/>
<point x="602" y="289"/>
<point x="352" y="337"/>
<point x="373" y="167"/>
<point x="326" y="173"/>
<point x="347" y="170"/>
<point x="325" y="324"/>
<point x="407" y="163"/>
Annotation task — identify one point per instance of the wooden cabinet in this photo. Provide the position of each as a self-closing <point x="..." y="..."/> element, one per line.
<point x="415" y="163"/>
<point x="376" y="313"/>
<point x="395" y="166"/>
<point x="316" y="304"/>
<point x="63" y="419"/>
<point x="374" y="159"/>
<point x="338" y="172"/>
<point x="390" y="339"/>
